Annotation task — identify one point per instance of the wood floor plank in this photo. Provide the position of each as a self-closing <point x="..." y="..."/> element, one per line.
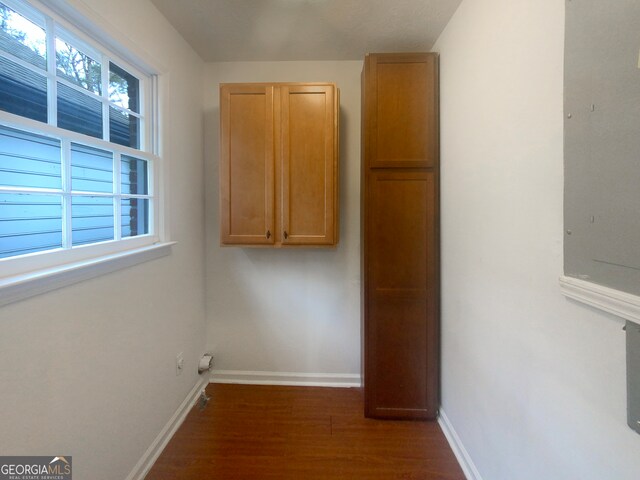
<point x="290" y="433"/>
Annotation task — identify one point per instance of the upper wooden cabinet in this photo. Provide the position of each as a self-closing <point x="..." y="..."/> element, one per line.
<point x="401" y="112"/>
<point x="247" y="165"/>
<point x="279" y="164"/>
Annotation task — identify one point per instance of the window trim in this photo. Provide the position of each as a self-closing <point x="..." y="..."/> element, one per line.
<point x="31" y="274"/>
<point x="21" y="287"/>
<point x="615" y="302"/>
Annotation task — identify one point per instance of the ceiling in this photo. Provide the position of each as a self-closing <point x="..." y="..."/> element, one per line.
<point x="272" y="30"/>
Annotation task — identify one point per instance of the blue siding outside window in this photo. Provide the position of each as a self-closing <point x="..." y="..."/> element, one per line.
<point x="124" y="128"/>
<point x="92" y="219"/>
<point x="29" y="223"/>
<point x="29" y="160"/>
<point x="79" y="112"/>
<point x="91" y="169"/>
<point x="22" y="91"/>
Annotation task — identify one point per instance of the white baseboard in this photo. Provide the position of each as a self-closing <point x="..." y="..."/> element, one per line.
<point x="155" y="449"/>
<point x="346" y="380"/>
<point x="465" y="461"/>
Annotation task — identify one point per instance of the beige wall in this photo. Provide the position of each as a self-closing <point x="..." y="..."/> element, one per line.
<point x="89" y="370"/>
<point x="286" y="310"/>
<point x="534" y="384"/>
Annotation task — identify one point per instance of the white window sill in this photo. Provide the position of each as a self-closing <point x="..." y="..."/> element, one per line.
<point x="20" y="287"/>
<point x="609" y="300"/>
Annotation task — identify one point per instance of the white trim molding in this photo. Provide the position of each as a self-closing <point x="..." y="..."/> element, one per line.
<point x="612" y="301"/>
<point x="464" y="459"/>
<point x="346" y="380"/>
<point x="155" y="449"/>
<point x="24" y="286"/>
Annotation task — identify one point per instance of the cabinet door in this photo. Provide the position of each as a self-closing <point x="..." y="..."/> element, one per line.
<point x="309" y="164"/>
<point x="401" y="110"/>
<point x="401" y="297"/>
<point x="246" y="165"/>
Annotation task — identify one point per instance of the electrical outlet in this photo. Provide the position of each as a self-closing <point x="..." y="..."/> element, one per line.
<point x="179" y="363"/>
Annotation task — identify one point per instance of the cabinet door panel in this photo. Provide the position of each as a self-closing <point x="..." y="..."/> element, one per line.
<point x="401" y="377"/>
<point x="401" y="218"/>
<point x="247" y="165"/>
<point x="400" y="341"/>
<point x="309" y="164"/>
<point x="403" y="111"/>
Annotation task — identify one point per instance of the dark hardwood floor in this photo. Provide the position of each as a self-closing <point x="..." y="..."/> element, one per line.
<point x="268" y="432"/>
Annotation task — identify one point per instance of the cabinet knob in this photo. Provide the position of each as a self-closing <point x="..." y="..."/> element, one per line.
<point x="268" y="235"/>
<point x="286" y="235"/>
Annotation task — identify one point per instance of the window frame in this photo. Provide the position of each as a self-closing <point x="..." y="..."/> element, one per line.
<point x="36" y="272"/>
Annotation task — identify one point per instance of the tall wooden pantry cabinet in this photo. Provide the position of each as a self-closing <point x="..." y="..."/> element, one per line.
<point x="279" y="164"/>
<point x="400" y="223"/>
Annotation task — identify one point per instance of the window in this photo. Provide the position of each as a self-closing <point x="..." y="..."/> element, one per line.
<point x="77" y="165"/>
<point x="79" y="170"/>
